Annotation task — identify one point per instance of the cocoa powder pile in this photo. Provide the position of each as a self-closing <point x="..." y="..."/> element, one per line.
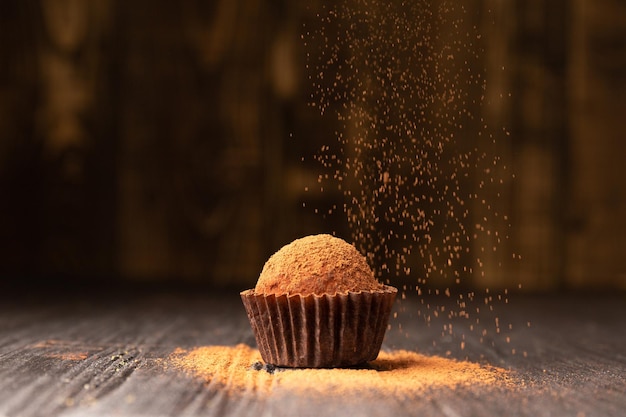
<point x="405" y="373"/>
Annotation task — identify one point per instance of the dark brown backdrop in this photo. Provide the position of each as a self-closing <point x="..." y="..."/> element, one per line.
<point x="157" y="140"/>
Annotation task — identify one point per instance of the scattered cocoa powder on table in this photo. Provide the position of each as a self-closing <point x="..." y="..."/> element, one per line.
<point x="399" y="372"/>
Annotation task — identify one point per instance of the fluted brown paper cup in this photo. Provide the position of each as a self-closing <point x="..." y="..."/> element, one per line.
<point x="319" y="331"/>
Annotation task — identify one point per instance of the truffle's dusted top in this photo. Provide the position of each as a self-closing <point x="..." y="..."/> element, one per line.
<point x="317" y="264"/>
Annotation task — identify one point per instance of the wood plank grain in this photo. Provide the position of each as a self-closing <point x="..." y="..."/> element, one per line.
<point x="88" y="356"/>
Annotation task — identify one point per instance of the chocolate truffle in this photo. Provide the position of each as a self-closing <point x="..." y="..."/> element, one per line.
<point x="317" y="304"/>
<point x="318" y="264"/>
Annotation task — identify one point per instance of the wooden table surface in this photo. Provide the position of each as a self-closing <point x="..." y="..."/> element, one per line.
<point x="84" y="355"/>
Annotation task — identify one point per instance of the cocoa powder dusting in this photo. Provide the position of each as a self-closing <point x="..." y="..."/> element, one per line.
<point x="401" y="372"/>
<point x="318" y="264"/>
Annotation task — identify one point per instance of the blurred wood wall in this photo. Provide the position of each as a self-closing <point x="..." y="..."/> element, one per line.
<point x="155" y="140"/>
<point x="566" y="73"/>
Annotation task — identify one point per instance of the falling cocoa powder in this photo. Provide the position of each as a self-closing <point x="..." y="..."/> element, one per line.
<point x="401" y="372"/>
<point x="416" y="160"/>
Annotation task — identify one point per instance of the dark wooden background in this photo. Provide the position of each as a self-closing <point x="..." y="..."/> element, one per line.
<point x="153" y="141"/>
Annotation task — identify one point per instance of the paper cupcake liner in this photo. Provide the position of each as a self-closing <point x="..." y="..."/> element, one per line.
<point x="319" y="331"/>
